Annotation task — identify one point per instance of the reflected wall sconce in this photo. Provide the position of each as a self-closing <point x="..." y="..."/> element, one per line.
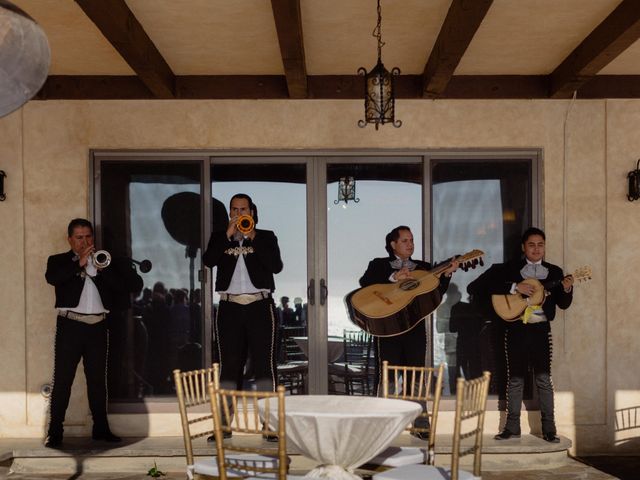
<point x="2" y="195"/>
<point x="634" y="183"/>
<point x="346" y="190"/>
<point x="379" y="83"/>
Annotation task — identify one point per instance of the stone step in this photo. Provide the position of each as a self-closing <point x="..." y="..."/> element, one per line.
<point x="139" y="454"/>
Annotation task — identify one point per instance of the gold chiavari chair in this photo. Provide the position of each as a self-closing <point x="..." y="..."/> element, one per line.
<point x="197" y="422"/>
<point x="239" y="412"/>
<point x="418" y="384"/>
<point x="471" y="404"/>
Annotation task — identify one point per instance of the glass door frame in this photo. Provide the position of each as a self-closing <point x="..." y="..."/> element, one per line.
<point x="96" y="157"/>
<point x="318" y="376"/>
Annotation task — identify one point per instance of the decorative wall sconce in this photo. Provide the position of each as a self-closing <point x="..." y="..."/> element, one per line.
<point x="346" y="190"/>
<point x="379" y="83"/>
<point x="2" y="195"/>
<point x="634" y="183"/>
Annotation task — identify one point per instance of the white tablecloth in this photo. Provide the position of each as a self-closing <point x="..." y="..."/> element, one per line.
<point x="341" y="433"/>
<point x="335" y="347"/>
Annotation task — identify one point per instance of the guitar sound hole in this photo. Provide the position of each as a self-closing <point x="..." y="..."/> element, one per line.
<point x="409" y="284"/>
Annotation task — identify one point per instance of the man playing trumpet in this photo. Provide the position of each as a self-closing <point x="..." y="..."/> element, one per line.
<point x="86" y="289"/>
<point x="247" y="258"/>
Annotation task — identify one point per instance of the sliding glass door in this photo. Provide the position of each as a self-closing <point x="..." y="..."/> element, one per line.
<point x="331" y="214"/>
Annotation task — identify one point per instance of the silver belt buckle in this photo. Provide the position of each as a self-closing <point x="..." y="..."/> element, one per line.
<point x="243" y="298"/>
<point x="84" y="317"/>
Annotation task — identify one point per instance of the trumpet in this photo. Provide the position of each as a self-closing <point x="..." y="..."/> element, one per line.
<point x="101" y="258"/>
<point x="245" y="224"/>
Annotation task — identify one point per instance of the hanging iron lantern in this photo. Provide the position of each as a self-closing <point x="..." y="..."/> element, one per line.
<point x="379" y="91"/>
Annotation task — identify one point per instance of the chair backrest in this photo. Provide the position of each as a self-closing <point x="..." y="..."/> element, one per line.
<point x="238" y="411"/>
<point x="418" y="384"/>
<point x="471" y="404"/>
<point x="357" y="347"/>
<point x="192" y="392"/>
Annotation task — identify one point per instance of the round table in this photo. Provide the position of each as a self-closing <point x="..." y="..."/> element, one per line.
<point x="342" y="433"/>
<point x="335" y="347"/>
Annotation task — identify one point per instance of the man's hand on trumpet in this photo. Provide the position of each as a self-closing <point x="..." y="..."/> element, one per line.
<point x="85" y="253"/>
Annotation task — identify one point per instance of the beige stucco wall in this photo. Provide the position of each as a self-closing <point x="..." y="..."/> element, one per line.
<point x="44" y="149"/>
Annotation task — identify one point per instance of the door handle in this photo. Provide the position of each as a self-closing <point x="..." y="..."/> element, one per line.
<point x="311" y="292"/>
<point x="324" y="291"/>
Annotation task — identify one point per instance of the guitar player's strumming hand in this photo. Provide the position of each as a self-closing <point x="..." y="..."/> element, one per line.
<point x="401" y="274"/>
<point x="525" y="289"/>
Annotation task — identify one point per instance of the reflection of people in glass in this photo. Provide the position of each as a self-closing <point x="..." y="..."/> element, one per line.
<point x="246" y="320"/>
<point x="529" y="340"/>
<point x="300" y="312"/>
<point x="157" y="319"/>
<point x="409" y="348"/>
<point x="443" y="327"/>
<point x="472" y="349"/>
<point x="85" y="293"/>
<point x="286" y="315"/>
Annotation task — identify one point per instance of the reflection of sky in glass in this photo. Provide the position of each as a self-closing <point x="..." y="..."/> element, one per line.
<point x="356" y="234"/>
<point x="467" y="215"/>
<point x="151" y="240"/>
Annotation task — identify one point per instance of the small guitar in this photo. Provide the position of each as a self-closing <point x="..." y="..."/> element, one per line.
<point x="510" y="306"/>
<point x="389" y="309"/>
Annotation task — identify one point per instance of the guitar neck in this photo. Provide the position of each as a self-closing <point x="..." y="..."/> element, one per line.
<point x="464" y="262"/>
<point x="437" y="271"/>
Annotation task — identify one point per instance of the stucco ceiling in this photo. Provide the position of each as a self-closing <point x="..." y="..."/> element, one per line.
<point x="330" y="38"/>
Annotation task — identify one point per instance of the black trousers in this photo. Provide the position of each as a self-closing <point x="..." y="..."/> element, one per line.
<point x="529" y="344"/>
<point x="76" y="340"/>
<point x="408" y="349"/>
<point x="244" y="331"/>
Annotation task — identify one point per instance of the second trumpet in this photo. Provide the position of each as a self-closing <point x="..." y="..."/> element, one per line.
<point x="245" y="224"/>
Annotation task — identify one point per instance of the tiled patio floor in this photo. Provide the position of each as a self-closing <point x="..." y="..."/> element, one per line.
<point x="624" y="468"/>
<point x="502" y="461"/>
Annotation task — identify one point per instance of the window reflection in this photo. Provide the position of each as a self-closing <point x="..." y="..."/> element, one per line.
<point x="280" y="194"/>
<point x="390" y="194"/>
<point x="151" y="210"/>
<point x="476" y="205"/>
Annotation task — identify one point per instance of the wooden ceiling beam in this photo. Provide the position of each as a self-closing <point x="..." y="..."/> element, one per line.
<point x="121" y="28"/>
<point x="93" y="87"/>
<point x="327" y="87"/>
<point x="288" y="19"/>
<point x="608" y="40"/>
<point x="460" y="25"/>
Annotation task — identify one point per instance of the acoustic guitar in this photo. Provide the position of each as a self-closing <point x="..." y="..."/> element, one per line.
<point x="389" y="309"/>
<point x="510" y="306"/>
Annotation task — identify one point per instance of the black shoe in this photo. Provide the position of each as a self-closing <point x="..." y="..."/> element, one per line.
<point x="53" y="441"/>
<point x="106" y="437"/>
<point x="550" y="437"/>
<point x="270" y="437"/>
<point x="225" y="435"/>
<point x="506" y="435"/>
<point x="421" y="435"/>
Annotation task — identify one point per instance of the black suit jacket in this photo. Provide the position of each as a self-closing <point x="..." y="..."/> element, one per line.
<point x="499" y="278"/>
<point x="65" y="274"/>
<point x="261" y="264"/>
<point x="379" y="271"/>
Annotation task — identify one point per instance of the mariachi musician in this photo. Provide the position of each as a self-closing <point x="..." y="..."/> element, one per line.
<point x="247" y="259"/>
<point x="528" y="341"/>
<point x="408" y="348"/>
